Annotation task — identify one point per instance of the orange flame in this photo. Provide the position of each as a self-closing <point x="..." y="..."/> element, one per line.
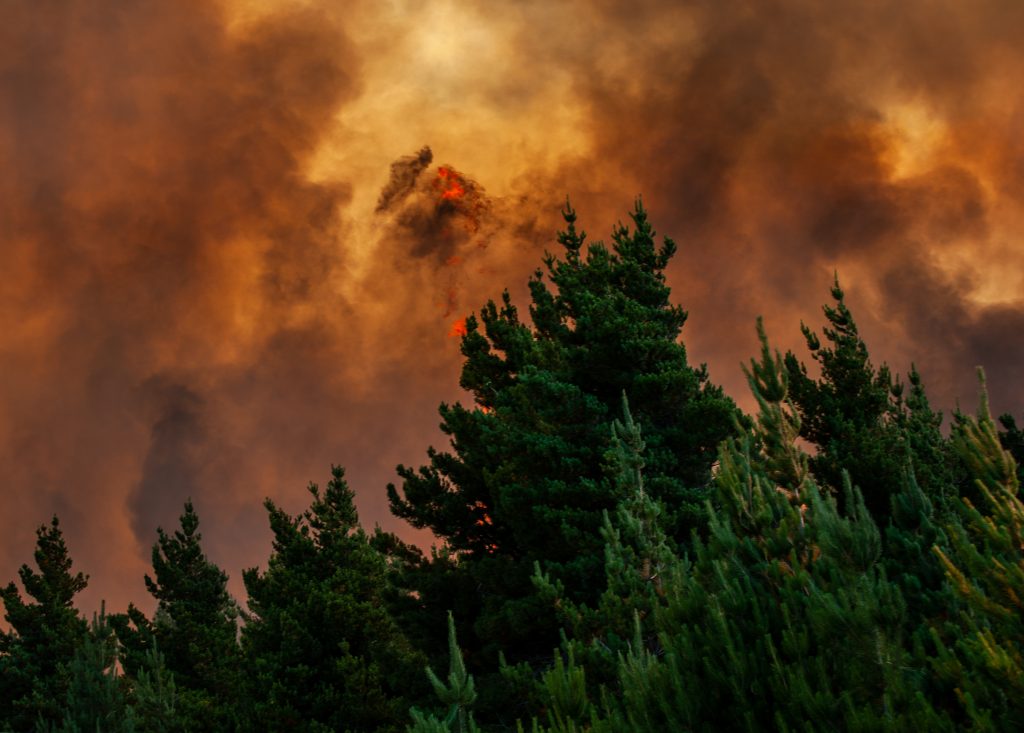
<point x="458" y="329"/>
<point x="451" y="183"/>
<point x="484" y="518"/>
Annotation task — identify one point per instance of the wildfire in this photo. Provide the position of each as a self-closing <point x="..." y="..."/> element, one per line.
<point x="451" y="184"/>
<point x="458" y="329"/>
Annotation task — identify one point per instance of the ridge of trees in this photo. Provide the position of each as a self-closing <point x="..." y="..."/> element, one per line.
<point x="620" y="549"/>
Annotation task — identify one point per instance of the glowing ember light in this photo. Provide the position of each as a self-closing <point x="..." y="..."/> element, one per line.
<point x="458" y="329"/>
<point x="451" y="184"/>
<point x="484" y="518"/>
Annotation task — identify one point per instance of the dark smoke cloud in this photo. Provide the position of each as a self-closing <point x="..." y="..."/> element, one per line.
<point x="213" y="284"/>
<point x="441" y="216"/>
<point x="404" y="173"/>
<point x="170" y="474"/>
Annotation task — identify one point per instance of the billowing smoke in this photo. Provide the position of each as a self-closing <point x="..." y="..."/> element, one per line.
<point x="405" y="172"/>
<point x="219" y="276"/>
<point x="170" y="280"/>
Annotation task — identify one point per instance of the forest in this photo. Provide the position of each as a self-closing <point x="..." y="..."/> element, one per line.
<point x="618" y="548"/>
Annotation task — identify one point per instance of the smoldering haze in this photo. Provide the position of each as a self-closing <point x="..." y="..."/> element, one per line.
<point x="216" y="283"/>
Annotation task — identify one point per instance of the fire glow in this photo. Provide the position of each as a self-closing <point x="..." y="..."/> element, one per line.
<point x="450" y="184"/>
<point x="458" y="329"/>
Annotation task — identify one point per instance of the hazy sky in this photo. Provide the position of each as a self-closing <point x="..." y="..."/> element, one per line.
<point x="227" y="260"/>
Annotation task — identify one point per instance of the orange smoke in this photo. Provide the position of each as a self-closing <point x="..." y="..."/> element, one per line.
<point x="458" y="329"/>
<point x="451" y="184"/>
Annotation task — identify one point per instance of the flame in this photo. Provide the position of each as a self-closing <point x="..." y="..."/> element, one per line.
<point x="484" y="518"/>
<point x="458" y="329"/>
<point x="451" y="184"/>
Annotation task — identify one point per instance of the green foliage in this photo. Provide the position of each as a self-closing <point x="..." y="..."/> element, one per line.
<point x="1012" y="439"/>
<point x="783" y="619"/>
<point x="985" y="566"/>
<point x="195" y="628"/>
<point x="155" y="698"/>
<point x="858" y="420"/>
<point x="321" y="651"/>
<point x="96" y="697"/>
<point x="458" y="695"/>
<point x="525" y="481"/>
<point x="44" y="633"/>
<point x="566" y="695"/>
<point x="637" y="555"/>
<point x="884" y="435"/>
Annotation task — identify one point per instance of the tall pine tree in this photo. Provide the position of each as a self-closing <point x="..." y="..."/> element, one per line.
<point x="195" y="628"/>
<point x="321" y="650"/>
<point x="857" y="418"/>
<point x="983" y="656"/>
<point x="96" y="699"/>
<point x="35" y="653"/>
<point x="524" y="480"/>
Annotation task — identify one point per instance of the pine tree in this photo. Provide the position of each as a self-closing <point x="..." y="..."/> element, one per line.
<point x="984" y="661"/>
<point x="154" y="697"/>
<point x="869" y="426"/>
<point x="195" y="627"/>
<point x="858" y="421"/>
<point x="1012" y="439"/>
<point x="525" y="481"/>
<point x="458" y="695"/>
<point x="96" y="698"/>
<point x="637" y="556"/>
<point x="783" y="618"/>
<point x="44" y="633"/>
<point x="322" y="652"/>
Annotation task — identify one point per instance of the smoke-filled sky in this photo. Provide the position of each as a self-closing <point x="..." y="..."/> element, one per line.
<point x="235" y="238"/>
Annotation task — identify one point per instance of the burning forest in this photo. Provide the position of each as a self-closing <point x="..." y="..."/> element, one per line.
<point x="245" y="244"/>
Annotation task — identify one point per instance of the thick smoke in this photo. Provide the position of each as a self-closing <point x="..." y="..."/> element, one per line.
<point x="213" y="284"/>
<point x="781" y="142"/>
<point x="169" y="269"/>
<point x="405" y="172"/>
<point x="170" y="470"/>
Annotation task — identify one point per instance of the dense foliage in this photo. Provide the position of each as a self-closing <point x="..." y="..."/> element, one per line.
<point x="619" y="550"/>
<point x="525" y="481"/>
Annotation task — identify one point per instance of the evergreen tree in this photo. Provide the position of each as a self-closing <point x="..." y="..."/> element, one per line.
<point x="857" y="419"/>
<point x="322" y="652"/>
<point x="869" y="426"/>
<point x="155" y="697"/>
<point x="524" y="481"/>
<point x="458" y="695"/>
<point x="1012" y="439"/>
<point x="44" y="633"/>
<point x="96" y="697"/>
<point x="637" y="556"/>
<point x="195" y="628"/>
<point x="783" y="619"/>
<point x="985" y="566"/>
